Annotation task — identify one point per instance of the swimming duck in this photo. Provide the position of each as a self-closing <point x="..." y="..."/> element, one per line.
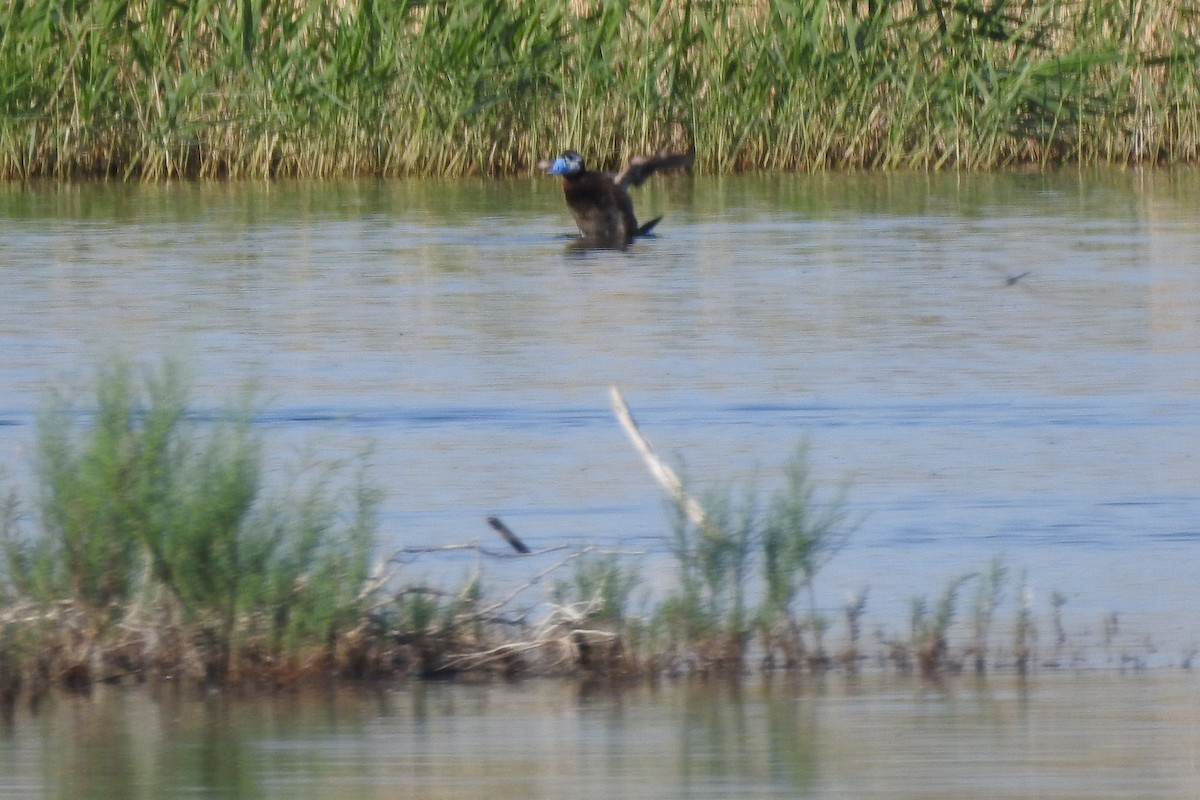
<point x="600" y="201"/>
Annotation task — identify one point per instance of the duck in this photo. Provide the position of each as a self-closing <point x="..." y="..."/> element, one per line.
<point x="600" y="201"/>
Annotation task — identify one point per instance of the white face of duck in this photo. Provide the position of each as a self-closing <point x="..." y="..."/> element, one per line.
<point x="569" y="163"/>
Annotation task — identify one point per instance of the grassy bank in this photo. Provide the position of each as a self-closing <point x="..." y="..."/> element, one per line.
<point x="152" y="90"/>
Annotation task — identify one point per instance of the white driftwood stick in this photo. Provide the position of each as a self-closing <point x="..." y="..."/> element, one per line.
<point x="662" y="473"/>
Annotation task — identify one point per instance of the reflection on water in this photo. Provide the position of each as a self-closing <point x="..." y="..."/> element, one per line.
<point x="1060" y="736"/>
<point x="1052" y="419"/>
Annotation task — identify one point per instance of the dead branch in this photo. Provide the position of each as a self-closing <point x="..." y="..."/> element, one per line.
<point x="485" y="612"/>
<point x="662" y="473"/>
<point x="398" y="554"/>
<point x="558" y="630"/>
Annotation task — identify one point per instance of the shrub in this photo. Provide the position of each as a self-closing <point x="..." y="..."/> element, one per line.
<point x="150" y="516"/>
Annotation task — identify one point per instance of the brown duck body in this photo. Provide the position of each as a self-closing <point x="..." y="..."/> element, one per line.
<point x="600" y="201"/>
<point x="602" y="209"/>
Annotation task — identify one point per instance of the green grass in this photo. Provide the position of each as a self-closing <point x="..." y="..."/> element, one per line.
<point x="151" y="89"/>
<point x="750" y="568"/>
<point x="156" y="545"/>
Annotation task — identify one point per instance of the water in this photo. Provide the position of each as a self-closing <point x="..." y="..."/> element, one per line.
<point x="1057" y="737"/>
<point x="1050" y="418"/>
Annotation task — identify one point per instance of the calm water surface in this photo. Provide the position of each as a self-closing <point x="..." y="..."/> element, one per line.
<point x="1058" y="737"/>
<point x="1052" y="420"/>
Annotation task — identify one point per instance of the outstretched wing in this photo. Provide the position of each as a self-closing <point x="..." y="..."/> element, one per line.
<point x="640" y="168"/>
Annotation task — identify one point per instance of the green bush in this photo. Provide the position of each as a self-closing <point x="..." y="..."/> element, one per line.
<point x="147" y="513"/>
<point x="790" y="541"/>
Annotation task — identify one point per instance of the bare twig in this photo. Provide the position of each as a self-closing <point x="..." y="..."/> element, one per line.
<point x="475" y="660"/>
<point x="485" y="612"/>
<point x="556" y="630"/>
<point x="385" y="569"/>
<point x="398" y="554"/>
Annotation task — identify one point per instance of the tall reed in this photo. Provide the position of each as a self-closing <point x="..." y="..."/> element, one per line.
<point x="216" y="88"/>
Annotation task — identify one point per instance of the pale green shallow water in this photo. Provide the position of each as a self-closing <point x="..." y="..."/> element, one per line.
<point x="1053" y="421"/>
<point x="1059" y="736"/>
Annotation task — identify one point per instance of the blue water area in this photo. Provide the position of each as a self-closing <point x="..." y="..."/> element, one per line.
<point x="1003" y="365"/>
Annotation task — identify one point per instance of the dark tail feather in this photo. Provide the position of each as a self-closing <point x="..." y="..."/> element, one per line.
<point x="647" y="227"/>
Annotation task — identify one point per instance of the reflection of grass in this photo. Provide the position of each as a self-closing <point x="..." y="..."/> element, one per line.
<point x="305" y="88"/>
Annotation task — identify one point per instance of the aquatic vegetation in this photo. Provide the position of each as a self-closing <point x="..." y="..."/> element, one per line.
<point x="989" y="586"/>
<point x="784" y="546"/>
<point x="1024" y="630"/>
<point x="597" y="631"/>
<point x="715" y="543"/>
<point x="1058" y="600"/>
<point x="588" y="629"/>
<point x="157" y="548"/>
<point x="157" y="551"/>
<point x="930" y="648"/>
<point x="799" y="537"/>
<point x="853" y="610"/>
<point x="707" y="614"/>
<point x="251" y="89"/>
<point x="427" y="628"/>
<point x="929" y="638"/>
<point x="604" y="584"/>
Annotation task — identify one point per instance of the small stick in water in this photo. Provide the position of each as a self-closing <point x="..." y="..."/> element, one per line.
<point x="510" y="537"/>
